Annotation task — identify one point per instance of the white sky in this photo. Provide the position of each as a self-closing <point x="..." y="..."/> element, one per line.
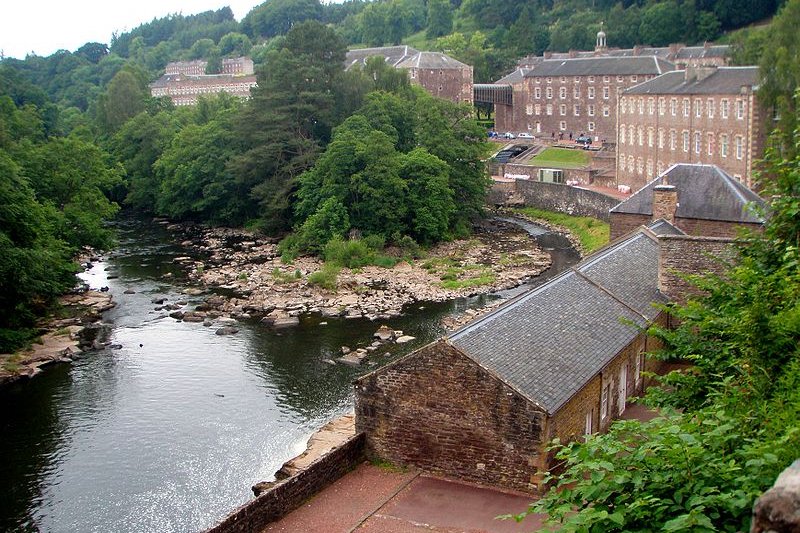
<point x="44" y="26"/>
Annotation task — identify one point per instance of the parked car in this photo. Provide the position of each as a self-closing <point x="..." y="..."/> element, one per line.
<point x="509" y="135"/>
<point x="492" y="134"/>
<point x="584" y="139"/>
<point x="525" y="135"/>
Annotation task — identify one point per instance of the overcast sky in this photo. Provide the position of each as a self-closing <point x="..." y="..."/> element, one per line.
<point x="44" y="26"/>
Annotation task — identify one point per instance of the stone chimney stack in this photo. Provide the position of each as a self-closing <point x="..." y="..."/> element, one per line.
<point x="665" y="202"/>
<point x="698" y="73"/>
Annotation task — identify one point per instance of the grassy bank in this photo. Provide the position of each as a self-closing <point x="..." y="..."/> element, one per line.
<point x="561" y="158"/>
<point x="593" y="233"/>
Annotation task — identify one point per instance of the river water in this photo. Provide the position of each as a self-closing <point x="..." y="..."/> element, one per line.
<point x="168" y="432"/>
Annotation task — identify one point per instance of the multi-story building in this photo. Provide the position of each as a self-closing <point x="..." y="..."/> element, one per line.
<point x="706" y="115"/>
<point x="437" y="73"/>
<point x="185" y="90"/>
<point x="234" y="66"/>
<point x="184" y="81"/>
<point x="561" y="98"/>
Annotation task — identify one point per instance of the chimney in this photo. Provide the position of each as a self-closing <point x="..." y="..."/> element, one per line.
<point x="665" y="202"/>
<point x="698" y="73"/>
<point x="573" y="54"/>
<point x="637" y="49"/>
<point x="548" y="54"/>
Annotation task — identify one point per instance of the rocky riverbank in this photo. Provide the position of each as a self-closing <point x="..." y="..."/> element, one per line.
<point x="62" y="339"/>
<point x="253" y="282"/>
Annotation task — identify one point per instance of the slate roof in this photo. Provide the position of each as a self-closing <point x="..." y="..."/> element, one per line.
<point x="613" y="66"/>
<point x="391" y="54"/>
<point x="725" y="80"/>
<point x="431" y="60"/>
<point x="550" y="342"/>
<point x="695" y="52"/>
<point x="167" y="80"/>
<point x="513" y="77"/>
<point x="704" y="192"/>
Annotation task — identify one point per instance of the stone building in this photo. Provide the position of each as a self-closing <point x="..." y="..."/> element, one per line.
<point x="556" y="97"/>
<point x="700" y="200"/>
<point x="437" y="73"/>
<point x="234" y="66"/>
<point x="183" y="89"/>
<point x="558" y="361"/>
<point x="707" y="115"/>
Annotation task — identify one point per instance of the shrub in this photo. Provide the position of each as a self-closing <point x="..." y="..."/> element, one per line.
<point x="325" y="278"/>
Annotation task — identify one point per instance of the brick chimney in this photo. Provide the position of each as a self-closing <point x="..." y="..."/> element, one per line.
<point x="548" y="54"/>
<point x="665" y="202"/>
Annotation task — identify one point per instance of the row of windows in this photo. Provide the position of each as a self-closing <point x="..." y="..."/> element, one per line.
<point x="562" y="126"/>
<point x="576" y="93"/>
<point x="629" y="105"/>
<point x="577" y="79"/>
<point x="636" y="135"/>
<point x="536" y="109"/>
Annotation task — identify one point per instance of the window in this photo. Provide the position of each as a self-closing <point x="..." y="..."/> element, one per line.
<point x="591" y="79"/>
<point x="685" y="107"/>
<point x="529" y="109"/>
<point x="591" y="126"/>
<point x="631" y="133"/>
<point x="723" y="145"/>
<point x="606" y="93"/>
<point x="640" y="135"/>
<point x="551" y="175"/>
<point x="620" y="79"/>
<point x="622" y="134"/>
<point x="563" y="79"/>
<point x="673" y="140"/>
<point x="641" y="105"/>
<point x="650" y="137"/>
<point x="651" y="106"/>
<point x="649" y="167"/>
<point x="606" y="111"/>
<point x="630" y="163"/>
<point x="604" y="401"/>
<point x="576" y="110"/>
<point x="637" y="371"/>
<point x="562" y="109"/>
<point x="549" y="79"/>
<point x="577" y="79"/>
<point x="623" y="387"/>
<point x="549" y="92"/>
<point x="590" y="92"/>
<point x="639" y="165"/>
<point x="698" y="108"/>
<point x="634" y="78"/>
<point x="562" y="92"/>
<point x="739" y="147"/>
<point x="537" y="109"/>
<point x="710" y="108"/>
<point x="606" y="79"/>
<point x="562" y="125"/>
<point x="587" y="429"/>
<point x="549" y="109"/>
<point x="673" y="106"/>
<point x="537" y="79"/>
<point x="576" y="92"/>
<point x="659" y="168"/>
<point x="685" y="141"/>
<point x="661" y="138"/>
<point x="590" y="110"/>
<point x="739" y="109"/>
<point x="723" y="108"/>
<point x="537" y="92"/>
<point x="662" y="106"/>
<point x="710" y="143"/>
<point x="697" y="142"/>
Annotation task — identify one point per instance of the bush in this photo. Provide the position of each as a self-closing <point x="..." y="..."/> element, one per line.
<point x="350" y="254"/>
<point x="325" y="278"/>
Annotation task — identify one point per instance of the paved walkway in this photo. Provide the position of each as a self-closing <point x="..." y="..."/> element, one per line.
<point x="373" y="499"/>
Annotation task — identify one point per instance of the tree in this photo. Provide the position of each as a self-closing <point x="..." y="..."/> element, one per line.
<point x="288" y="119"/>
<point x="277" y="17"/>
<point x="93" y="52"/>
<point x="235" y="44"/>
<point x="661" y="24"/>
<point x="440" y="18"/>
<point x="125" y="98"/>
<point x="202" y="48"/>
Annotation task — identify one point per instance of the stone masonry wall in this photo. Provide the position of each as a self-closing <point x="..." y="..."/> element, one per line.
<point x="565" y="199"/>
<point x="682" y="255"/>
<point x="438" y="410"/>
<point x="624" y="223"/>
<point x="290" y="493"/>
<point x="713" y="228"/>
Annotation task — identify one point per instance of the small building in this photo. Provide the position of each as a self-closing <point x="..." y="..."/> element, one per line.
<point x="700" y="200"/>
<point x="235" y="66"/>
<point x="707" y="115"/>
<point x="558" y="361"/>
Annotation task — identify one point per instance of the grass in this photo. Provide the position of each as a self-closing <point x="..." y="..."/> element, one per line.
<point x="561" y="158"/>
<point x="281" y="277"/>
<point x="592" y="233"/>
<point x="325" y="278"/>
<point x="419" y="41"/>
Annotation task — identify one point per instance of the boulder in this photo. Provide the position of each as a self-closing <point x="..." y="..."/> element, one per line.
<point x="404" y="339"/>
<point x="227" y="330"/>
<point x="384" y="333"/>
<point x="285" y="322"/>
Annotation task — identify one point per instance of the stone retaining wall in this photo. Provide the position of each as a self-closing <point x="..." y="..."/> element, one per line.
<point x="290" y="493"/>
<point x="556" y="197"/>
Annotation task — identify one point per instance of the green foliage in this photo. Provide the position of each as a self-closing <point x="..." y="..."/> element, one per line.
<point x="277" y="17"/>
<point x="326" y="277"/>
<point x="356" y="253"/>
<point x="592" y="233"/>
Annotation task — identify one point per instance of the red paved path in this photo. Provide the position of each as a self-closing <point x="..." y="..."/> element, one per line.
<point x="375" y="500"/>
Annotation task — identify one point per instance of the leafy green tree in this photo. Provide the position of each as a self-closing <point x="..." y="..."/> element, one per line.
<point x="202" y="48"/>
<point x="125" y="98"/>
<point x="93" y="52"/>
<point x="235" y="44"/>
<point x="440" y="18"/>
<point x="374" y="31"/>
<point x="288" y="119"/>
<point x="430" y="198"/>
<point x="214" y="64"/>
<point x="277" y="17"/>
<point x="661" y="23"/>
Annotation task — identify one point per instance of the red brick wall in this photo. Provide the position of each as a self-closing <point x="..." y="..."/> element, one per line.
<point x="440" y="411"/>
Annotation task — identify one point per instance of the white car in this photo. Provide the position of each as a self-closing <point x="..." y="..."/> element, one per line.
<point x="509" y="135"/>
<point x="525" y="135"/>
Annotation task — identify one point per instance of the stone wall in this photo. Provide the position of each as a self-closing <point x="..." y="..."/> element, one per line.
<point x="583" y="176"/>
<point x="624" y="223"/>
<point x="778" y="509"/>
<point x="713" y="228"/>
<point x="564" y="199"/>
<point x="290" y="493"/>
<point x="683" y="254"/>
<point x="440" y="411"/>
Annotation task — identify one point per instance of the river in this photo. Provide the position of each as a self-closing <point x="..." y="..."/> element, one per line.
<point x="168" y="432"/>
